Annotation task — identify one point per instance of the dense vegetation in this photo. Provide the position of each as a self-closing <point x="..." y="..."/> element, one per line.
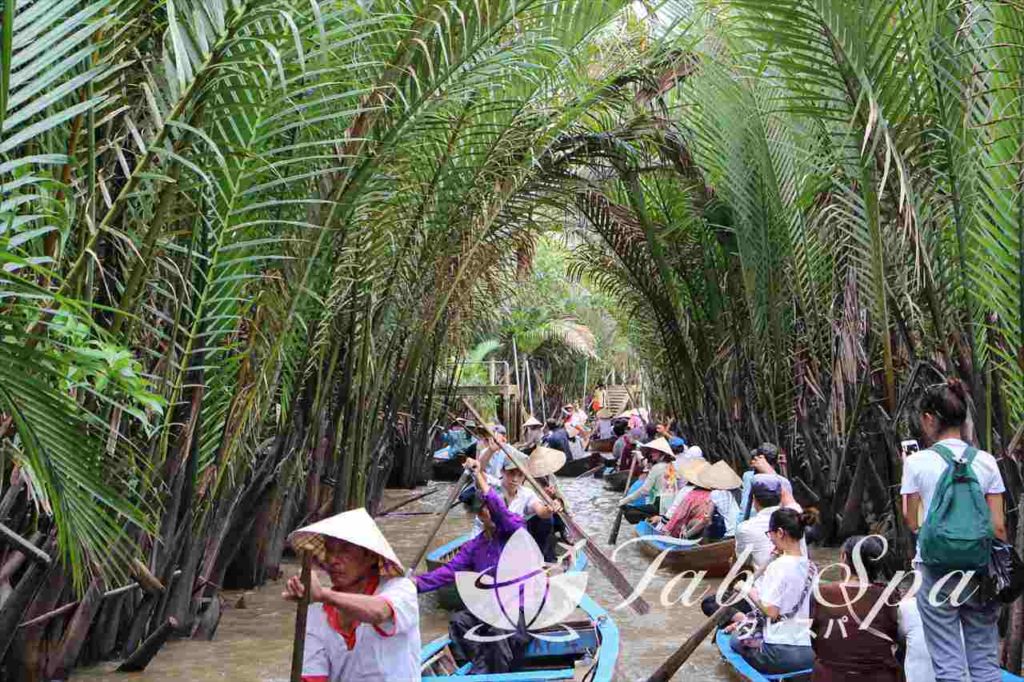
<point x="242" y="242"/>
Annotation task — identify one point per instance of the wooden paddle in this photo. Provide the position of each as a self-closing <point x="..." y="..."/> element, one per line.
<point x="669" y="668"/>
<point x="441" y="516"/>
<point x="398" y="505"/>
<point x="618" y="517"/>
<point x="576" y="533"/>
<point x="588" y="472"/>
<point x="302" y="611"/>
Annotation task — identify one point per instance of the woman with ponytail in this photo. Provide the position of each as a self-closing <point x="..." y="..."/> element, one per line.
<point x="848" y="645"/>
<point x="942" y="411"/>
<point x="782" y="597"/>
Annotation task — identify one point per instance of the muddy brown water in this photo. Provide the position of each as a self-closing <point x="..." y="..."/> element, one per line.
<point x="253" y="644"/>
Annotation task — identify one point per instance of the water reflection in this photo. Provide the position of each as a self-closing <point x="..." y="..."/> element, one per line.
<point x="254" y="643"/>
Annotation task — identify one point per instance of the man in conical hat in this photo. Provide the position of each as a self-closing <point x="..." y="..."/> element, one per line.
<point x="365" y="625"/>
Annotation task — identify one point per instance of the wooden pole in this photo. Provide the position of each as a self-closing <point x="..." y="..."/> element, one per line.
<point x="443" y="514"/>
<point x="613" y="538"/>
<point x="142" y="656"/>
<point x="301" y="613"/>
<point x="576" y="533"/>
<point x="23" y="545"/>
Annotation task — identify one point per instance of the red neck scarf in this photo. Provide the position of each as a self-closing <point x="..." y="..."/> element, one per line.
<point x="334" y="617"/>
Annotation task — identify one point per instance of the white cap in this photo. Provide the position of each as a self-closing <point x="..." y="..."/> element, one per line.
<point x="354" y="526"/>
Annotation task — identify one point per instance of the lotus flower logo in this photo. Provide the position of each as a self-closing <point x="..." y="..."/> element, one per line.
<point x="519" y="593"/>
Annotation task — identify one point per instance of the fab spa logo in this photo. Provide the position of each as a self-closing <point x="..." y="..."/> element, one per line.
<point x="521" y="594"/>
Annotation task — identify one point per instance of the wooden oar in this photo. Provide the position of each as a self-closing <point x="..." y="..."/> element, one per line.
<point x="588" y="472"/>
<point x="618" y="517"/>
<point x="413" y="498"/>
<point x="669" y="668"/>
<point x="302" y="611"/>
<point x="576" y="533"/>
<point x="441" y="516"/>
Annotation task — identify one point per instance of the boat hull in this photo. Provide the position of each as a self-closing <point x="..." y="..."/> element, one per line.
<point x="601" y="634"/>
<point x="747" y="672"/>
<point x="616" y="482"/>
<point x="715" y="558"/>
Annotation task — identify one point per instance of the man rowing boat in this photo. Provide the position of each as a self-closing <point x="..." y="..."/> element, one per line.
<point x="365" y="626"/>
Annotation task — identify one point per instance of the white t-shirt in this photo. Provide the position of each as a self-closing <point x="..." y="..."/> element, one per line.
<point x="726" y="505"/>
<point x="922" y="471"/>
<point x="782" y="585"/>
<point x="381" y="653"/>
<point x="522" y="504"/>
<point x="752" y="533"/>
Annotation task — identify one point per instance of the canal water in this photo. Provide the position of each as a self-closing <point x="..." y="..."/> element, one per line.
<point x="253" y="642"/>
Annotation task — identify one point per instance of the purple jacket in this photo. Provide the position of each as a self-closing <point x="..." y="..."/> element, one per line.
<point x="479" y="554"/>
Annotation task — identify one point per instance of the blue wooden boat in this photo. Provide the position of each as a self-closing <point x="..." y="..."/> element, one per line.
<point x="595" y="652"/>
<point x="745" y="669"/>
<point x="748" y="673"/>
<point x="715" y="558"/>
<point x="448" y="597"/>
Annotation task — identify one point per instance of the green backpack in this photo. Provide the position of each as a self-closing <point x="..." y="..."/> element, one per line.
<point x="957" y="534"/>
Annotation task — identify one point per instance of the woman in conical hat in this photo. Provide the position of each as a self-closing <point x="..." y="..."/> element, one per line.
<point x="364" y="626"/>
<point x="693" y="514"/>
<point x="658" y="489"/>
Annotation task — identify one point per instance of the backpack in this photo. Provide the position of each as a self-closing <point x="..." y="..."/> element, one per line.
<point x="957" y="534"/>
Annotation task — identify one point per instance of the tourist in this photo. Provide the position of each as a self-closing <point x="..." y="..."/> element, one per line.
<point x="542" y="521"/>
<point x="683" y="490"/>
<point x="557" y="438"/>
<point x="622" y="450"/>
<point x="480" y="555"/>
<point x="766" y="491"/>
<point x="493" y="457"/>
<point x="518" y="498"/>
<point x="690" y="454"/>
<point x="366" y="625"/>
<point x="941" y="413"/>
<point x="782" y="595"/>
<point x="846" y="647"/>
<point x="692" y="513"/>
<point x="763" y="460"/>
<point x="597" y="399"/>
<point x="658" y="489"/>
<point x="724" y="485"/>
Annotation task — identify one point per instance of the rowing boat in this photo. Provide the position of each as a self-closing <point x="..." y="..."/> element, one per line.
<point x="746" y="670"/>
<point x="749" y="673"/>
<point x="616" y="481"/>
<point x="688" y="555"/>
<point x="448" y="597"/>
<point x="592" y="654"/>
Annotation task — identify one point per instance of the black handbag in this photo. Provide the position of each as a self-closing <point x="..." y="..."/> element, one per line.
<point x="1006" y="570"/>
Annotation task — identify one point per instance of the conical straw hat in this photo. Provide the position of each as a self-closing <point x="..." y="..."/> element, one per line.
<point x="354" y="526"/>
<point x="689" y="470"/>
<point x="659" y="444"/>
<point x="532" y="421"/>
<point x="545" y="461"/>
<point x="718" y="476"/>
